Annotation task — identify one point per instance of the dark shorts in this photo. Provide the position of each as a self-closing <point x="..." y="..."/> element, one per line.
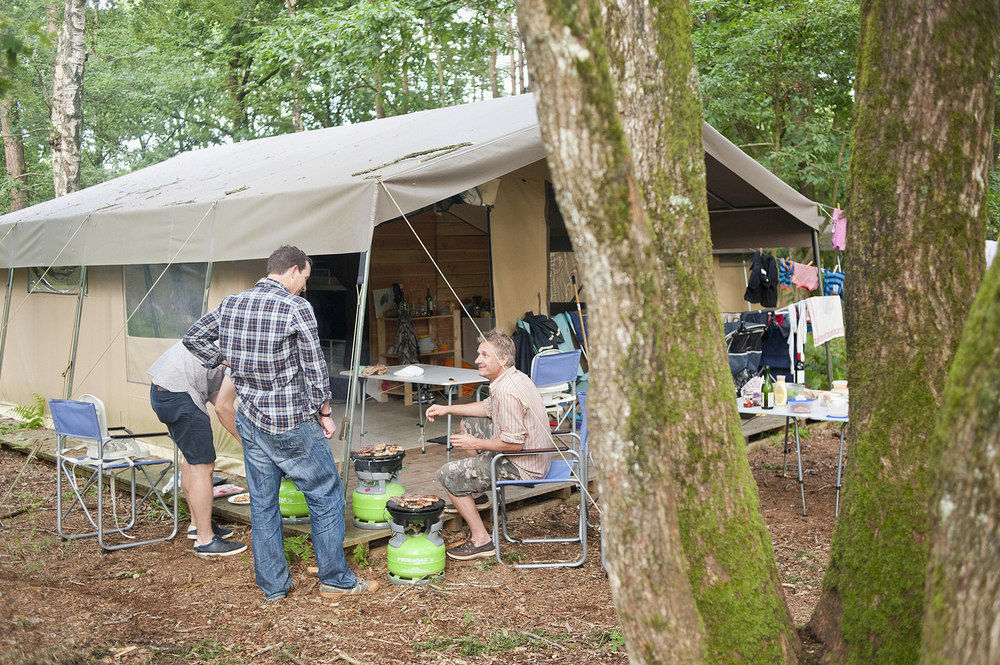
<point x="189" y="426"/>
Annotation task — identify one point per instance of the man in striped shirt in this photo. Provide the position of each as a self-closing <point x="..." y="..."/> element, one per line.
<point x="268" y="338"/>
<point x="512" y="419"/>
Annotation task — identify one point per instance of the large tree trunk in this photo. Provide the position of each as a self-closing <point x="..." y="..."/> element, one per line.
<point x="963" y="579"/>
<point x="67" y="99"/>
<point x="919" y="165"/>
<point x="621" y="121"/>
<point x="13" y="152"/>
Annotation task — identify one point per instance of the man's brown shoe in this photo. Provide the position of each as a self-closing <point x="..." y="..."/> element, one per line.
<point x="470" y="550"/>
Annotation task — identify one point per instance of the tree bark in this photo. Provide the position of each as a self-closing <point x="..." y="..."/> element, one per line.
<point x="918" y="179"/>
<point x="13" y="152"/>
<point x="621" y="122"/>
<point x="67" y="99"/>
<point x="963" y="580"/>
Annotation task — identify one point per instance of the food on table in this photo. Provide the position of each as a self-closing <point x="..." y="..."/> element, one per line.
<point x="374" y="370"/>
<point x="240" y="498"/>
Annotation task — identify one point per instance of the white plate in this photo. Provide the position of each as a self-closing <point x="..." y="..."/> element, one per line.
<point x="239" y="499"/>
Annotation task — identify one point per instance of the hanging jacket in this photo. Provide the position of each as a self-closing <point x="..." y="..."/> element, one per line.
<point x="522" y="350"/>
<point x="544" y="331"/>
<point x="762" y="282"/>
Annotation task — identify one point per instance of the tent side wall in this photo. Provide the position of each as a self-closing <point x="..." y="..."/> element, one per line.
<point x="40" y="333"/>
<point x="519" y="246"/>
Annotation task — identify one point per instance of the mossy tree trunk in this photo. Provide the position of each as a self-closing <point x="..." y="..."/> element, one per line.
<point x="963" y="578"/>
<point x="919" y="166"/>
<point x="621" y="122"/>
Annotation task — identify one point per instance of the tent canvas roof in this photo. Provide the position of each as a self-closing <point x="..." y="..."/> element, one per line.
<point x="320" y="189"/>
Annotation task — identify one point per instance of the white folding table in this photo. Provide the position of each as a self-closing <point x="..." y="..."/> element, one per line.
<point x="434" y="375"/>
<point x="795" y="417"/>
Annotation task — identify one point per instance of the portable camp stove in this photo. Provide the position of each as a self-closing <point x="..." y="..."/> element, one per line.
<point x="416" y="550"/>
<point x="377" y="469"/>
<point x="292" y="502"/>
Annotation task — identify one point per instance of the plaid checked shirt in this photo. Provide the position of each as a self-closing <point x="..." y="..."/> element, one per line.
<point x="271" y="342"/>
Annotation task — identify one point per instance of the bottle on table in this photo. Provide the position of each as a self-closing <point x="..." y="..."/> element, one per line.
<point x="429" y="303"/>
<point x="767" y="391"/>
<point x="800" y="369"/>
<point x="780" y="391"/>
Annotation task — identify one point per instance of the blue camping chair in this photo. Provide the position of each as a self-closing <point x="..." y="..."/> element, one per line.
<point x="569" y="465"/>
<point x="107" y="455"/>
<point x="554" y="373"/>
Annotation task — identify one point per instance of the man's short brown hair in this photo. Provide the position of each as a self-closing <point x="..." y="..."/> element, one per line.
<point x="285" y="258"/>
<point x="501" y="344"/>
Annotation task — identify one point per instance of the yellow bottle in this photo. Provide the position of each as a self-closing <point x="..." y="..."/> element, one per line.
<point x="780" y="392"/>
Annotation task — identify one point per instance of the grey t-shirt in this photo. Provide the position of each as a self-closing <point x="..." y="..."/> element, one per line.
<point x="179" y="371"/>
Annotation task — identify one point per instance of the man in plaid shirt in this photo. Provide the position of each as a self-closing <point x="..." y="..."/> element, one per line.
<point x="268" y="338"/>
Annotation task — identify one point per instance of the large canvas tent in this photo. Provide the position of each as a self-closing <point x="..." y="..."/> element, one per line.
<point x="325" y="191"/>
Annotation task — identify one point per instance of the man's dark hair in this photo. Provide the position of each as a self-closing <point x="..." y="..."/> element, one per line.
<point x="284" y="258"/>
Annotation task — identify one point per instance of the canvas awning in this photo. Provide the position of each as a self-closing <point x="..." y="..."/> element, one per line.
<point x="319" y="189"/>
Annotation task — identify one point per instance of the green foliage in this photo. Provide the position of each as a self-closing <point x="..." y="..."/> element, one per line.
<point x="816" y="362"/>
<point x="361" y="555"/>
<point x="776" y="78"/>
<point x="611" y="640"/>
<point x="32" y="415"/>
<point x="298" y="548"/>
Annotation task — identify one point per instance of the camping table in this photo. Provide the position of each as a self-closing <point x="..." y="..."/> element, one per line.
<point x="434" y="375"/>
<point x="795" y="417"/>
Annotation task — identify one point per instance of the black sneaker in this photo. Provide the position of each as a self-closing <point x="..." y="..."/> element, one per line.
<point x="217" y="530"/>
<point x="482" y="503"/>
<point x="219" y="547"/>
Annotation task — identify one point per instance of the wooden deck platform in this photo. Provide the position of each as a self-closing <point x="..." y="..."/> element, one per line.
<point x="417" y="476"/>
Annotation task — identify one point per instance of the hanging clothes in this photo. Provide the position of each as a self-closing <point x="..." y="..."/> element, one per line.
<point x="762" y="283"/>
<point x="785" y="274"/>
<point x="833" y="283"/>
<point x="827" y="317"/>
<point x="839" y="240"/>
<point x="805" y="277"/>
<point x="406" y="338"/>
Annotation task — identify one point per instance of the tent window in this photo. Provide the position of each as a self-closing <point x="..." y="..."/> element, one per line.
<point x="57" y="279"/>
<point x="172" y="306"/>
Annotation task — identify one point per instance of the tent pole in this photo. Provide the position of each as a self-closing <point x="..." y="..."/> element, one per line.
<point x="208" y="282"/>
<point x="352" y="381"/>
<point x="6" y="313"/>
<point x="822" y="290"/>
<point x="76" y="333"/>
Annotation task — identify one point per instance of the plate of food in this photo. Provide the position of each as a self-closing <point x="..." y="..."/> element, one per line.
<point x="240" y="499"/>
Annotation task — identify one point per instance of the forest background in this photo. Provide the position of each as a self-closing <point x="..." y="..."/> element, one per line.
<point x="166" y="76"/>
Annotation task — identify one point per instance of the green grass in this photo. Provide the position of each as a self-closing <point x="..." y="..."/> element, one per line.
<point x="471" y="646"/>
<point x="611" y="640"/>
<point x="360" y="555"/>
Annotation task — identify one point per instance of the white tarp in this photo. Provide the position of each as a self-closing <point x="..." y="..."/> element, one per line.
<point x="319" y="189"/>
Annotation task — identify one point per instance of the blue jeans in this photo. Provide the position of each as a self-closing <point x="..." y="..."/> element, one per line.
<point x="302" y="454"/>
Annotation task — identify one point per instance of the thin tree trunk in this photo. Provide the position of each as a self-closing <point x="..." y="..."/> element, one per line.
<point x="67" y="99"/>
<point x="621" y="122"/>
<point x="918" y="177"/>
<point x="494" y="83"/>
<point x="290" y="6"/>
<point x="512" y="35"/>
<point x="13" y="152"/>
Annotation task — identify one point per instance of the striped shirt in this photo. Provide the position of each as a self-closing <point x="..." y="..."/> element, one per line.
<point x="519" y="416"/>
<point x="271" y="342"/>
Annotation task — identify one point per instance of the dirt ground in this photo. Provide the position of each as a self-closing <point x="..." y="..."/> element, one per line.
<point x="64" y="602"/>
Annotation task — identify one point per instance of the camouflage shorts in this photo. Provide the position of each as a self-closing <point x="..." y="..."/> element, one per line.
<point x="472" y="474"/>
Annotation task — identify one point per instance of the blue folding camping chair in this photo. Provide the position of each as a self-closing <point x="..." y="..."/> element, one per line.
<point x="554" y="373"/>
<point x="107" y="455"/>
<point x="569" y="465"/>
